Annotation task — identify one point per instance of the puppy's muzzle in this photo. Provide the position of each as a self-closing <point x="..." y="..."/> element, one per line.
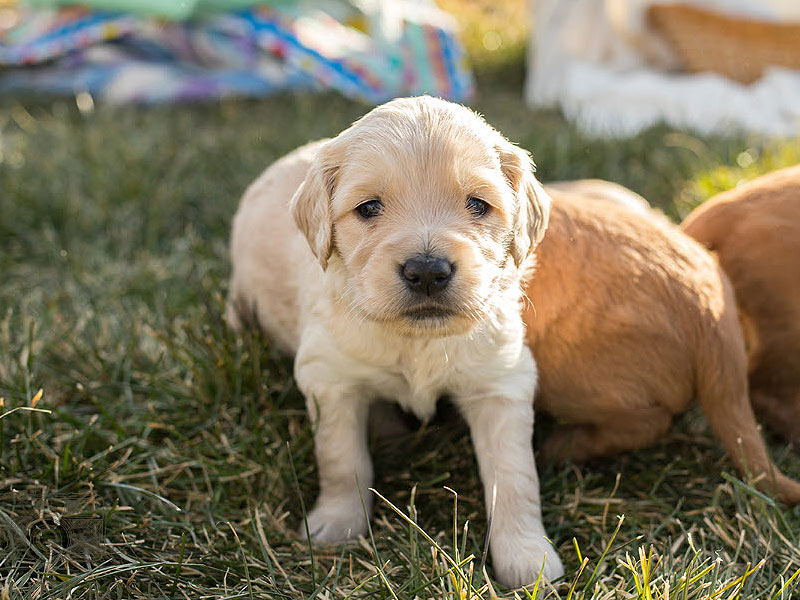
<point x="427" y="275"/>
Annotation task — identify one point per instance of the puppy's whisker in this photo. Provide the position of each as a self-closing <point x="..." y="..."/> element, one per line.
<point x="525" y="297"/>
<point x="352" y="308"/>
<point x="355" y="311"/>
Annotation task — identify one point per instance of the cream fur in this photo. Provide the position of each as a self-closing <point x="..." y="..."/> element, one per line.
<point x="324" y="283"/>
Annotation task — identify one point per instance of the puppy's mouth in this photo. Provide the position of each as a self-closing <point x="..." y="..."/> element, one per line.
<point x="428" y="313"/>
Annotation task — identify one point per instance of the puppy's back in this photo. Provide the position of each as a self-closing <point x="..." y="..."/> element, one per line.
<point x="754" y="230"/>
<point x="630" y="320"/>
<point x="599" y="189"/>
<point x="268" y="253"/>
<point x="614" y="292"/>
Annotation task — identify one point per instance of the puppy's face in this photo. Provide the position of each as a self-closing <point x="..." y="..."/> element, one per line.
<point x="430" y="210"/>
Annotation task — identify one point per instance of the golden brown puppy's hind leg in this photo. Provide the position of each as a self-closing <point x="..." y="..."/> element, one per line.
<point x="775" y="378"/>
<point x="781" y="412"/>
<point x="610" y="433"/>
<point x="723" y="394"/>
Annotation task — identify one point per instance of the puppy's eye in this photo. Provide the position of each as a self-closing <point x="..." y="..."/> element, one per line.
<point x="370" y="209"/>
<point x="477" y="206"/>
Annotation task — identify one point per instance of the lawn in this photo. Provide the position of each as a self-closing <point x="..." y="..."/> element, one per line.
<point x="189" y="447"/>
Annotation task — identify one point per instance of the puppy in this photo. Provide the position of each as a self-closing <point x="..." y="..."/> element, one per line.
<point x="608" y="191"/>
<point x="630" y="319"/>
<point x="394" y="273"/>
<point x="754" y="230"/>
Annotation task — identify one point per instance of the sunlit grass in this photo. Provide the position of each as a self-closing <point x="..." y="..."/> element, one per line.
<point x="748" y="164"/>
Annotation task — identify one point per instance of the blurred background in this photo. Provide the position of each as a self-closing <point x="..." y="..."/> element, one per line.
<point x="614" y="67"/>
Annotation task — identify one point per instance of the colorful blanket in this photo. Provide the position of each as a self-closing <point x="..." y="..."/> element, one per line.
<point x="372" y="50"/>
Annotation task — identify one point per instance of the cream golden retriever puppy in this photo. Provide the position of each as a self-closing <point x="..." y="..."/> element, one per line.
<point x="388" y="260"/>
<point x="630" y="320"/>
<point x="754" y="230"/>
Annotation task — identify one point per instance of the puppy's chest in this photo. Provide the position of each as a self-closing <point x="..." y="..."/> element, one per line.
<point x="419" y="376"/>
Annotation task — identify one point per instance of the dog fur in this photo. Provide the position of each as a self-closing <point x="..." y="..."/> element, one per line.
<point x="323" y="282"/>
<point x="629" y="320"/>
<point x="599" y="189"/>
<point x="754" y="230"/>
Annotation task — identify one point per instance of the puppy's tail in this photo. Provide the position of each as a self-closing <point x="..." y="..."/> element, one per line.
<point x="723" y="394"/>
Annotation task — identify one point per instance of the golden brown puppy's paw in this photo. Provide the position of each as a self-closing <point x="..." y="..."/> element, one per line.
<point x="617" y="431"/>
<point x="567" y="443"/>
<point x="518" y="561"/>
<point x="335" y="520"/>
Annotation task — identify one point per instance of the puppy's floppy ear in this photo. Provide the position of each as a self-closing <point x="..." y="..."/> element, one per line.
<point x="311" y="203"/>
<point x="532" y="210"/>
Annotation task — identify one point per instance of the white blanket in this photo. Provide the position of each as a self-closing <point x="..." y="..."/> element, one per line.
<point x="599" y="63"/>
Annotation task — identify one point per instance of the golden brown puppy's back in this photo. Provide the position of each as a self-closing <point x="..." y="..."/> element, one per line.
<point x="599" y="189"/>
<point x="630" y="318"/>
<point x="603" y="289"/>
<point x="770" y="194"/>
<point x="755" y="231"/>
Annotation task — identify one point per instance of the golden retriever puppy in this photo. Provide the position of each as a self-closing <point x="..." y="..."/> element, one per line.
<point x="599" y="189"/>
<point x="630" y="320"/>
<point x="388" y="260"/>
<point x="754" y="230"/>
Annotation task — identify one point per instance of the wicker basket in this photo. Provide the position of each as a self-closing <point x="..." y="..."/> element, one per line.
<point x="738" y="48"/>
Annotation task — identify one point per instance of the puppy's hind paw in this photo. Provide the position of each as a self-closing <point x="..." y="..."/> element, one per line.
<point x="519" y="564"/>
<point x="568" y="443"/>
<point x="334" y="522"/>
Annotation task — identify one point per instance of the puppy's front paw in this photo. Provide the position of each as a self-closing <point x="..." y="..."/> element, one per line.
<point x="335" y="520"/>
<point x="517" y="562"/>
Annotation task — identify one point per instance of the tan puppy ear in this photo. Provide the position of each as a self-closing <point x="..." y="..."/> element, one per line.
<point x="311" y="204"/>
<point x="532" y="211"/>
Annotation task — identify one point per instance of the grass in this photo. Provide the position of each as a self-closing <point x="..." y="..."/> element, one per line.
<point x="191" y="446"/>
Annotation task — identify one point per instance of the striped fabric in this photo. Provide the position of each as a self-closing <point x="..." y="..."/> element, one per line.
<point x="401" y="48"/>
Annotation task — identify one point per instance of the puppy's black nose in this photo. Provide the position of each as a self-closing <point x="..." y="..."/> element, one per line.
<point x="427" y="275"/>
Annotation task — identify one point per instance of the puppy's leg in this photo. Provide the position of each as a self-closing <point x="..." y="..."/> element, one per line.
<point x="612" y="433"/>
<point x="339" y="415"/>
<point x="502" y="431"/>
<point x="779" y="411"/>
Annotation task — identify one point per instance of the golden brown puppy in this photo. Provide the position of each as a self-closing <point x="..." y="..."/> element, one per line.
<point x="630" y="320"/>
<point x="754" y="229"/>
<point x="599" y="189"/>
<point x="388" y="260"/>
